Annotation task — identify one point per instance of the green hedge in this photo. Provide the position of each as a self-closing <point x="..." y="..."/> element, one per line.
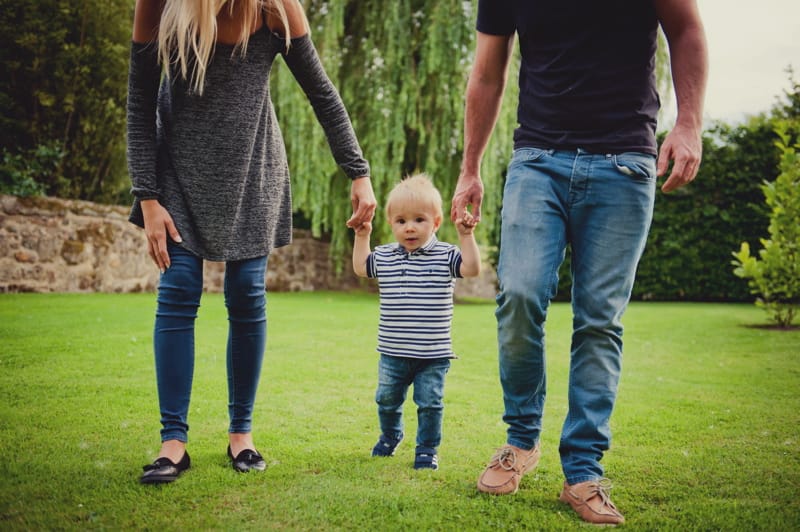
<point x="696" y="228"/>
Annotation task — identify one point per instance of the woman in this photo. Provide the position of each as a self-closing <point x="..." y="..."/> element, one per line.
<point x="211" y="181"/>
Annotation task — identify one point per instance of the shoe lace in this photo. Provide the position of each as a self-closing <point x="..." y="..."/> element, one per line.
<point x="505" y="458"/>
<point x="602" y="488"/>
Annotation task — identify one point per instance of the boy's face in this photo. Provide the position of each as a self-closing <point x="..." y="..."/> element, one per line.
<point x="413" y="226"/>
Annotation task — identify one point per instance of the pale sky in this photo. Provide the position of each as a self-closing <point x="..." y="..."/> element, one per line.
<point x="750" y="45"/>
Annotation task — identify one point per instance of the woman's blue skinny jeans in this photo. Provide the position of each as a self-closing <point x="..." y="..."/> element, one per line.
<point x="179" y="291"/>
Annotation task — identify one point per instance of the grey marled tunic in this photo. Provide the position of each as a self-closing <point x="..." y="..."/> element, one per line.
<point x="217" y="161"/>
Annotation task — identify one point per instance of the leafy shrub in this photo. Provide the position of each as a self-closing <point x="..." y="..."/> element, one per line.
<point x="22" y="174"/>
<point x="63" y="82"/>
<point x="774" y="277"/>
<point x="695" y="227"/>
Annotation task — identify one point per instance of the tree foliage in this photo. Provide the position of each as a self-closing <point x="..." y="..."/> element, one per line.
<point x="774" y="275"/>
<point x="22" y="174"/>
<point x="62" y="91"/>
<point x="695" y="227"/>
<point x="401" y="68"/>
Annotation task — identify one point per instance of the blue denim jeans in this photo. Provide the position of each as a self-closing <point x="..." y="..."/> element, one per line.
<point x="179" y="291"/>
<point x="395" y="375"/>
<point x="601" y="206"/>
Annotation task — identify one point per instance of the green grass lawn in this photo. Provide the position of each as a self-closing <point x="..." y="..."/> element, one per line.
<point x="706" y="429"/>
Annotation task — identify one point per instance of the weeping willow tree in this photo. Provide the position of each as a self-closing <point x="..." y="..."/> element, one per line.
<point x="401" y="67"/>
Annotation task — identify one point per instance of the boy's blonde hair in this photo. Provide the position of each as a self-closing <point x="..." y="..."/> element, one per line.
<point x="419" y="189"/>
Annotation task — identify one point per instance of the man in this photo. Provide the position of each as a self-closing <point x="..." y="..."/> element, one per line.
<point x="583" y="174"/>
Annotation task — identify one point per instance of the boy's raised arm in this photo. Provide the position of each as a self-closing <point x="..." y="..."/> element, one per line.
<point x="470" y="254"/>
<point x="361" y="249"/>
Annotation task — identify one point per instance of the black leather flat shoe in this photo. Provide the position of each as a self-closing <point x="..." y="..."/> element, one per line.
<point x="247" y="460"/>
<point x="164" y="470"/>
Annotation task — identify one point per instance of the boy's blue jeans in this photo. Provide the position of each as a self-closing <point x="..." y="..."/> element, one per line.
<point x="179" y="290"/>
<point x="601" y="205"/>
<point x="395" y="375"/>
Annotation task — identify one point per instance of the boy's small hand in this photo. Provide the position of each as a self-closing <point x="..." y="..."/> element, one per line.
<point x="466" y="223"/>
<point x="365" y="229"/>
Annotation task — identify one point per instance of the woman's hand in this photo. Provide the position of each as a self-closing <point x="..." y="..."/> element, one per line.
<point x="157" y="225"/>
<point x="364" y="203"/>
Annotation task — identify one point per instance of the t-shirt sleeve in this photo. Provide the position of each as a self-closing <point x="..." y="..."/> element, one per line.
<point x="496" y="17"/>
<point x="454" y="259"/>
<point x="371" y="266"/>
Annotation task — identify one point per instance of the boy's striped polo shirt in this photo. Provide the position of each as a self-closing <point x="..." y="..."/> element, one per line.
<point x="416" y="298"/>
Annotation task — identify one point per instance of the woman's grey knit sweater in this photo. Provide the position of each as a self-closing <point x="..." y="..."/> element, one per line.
<point x="217" y="161"/>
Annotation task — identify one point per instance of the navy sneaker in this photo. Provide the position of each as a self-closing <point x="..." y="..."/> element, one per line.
<point x="386" y="445"/>
<point x="426" y="458"/>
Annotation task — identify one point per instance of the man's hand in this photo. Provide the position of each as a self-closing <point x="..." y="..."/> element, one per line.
<point x="468" y="193"/>
<point x="684" y="147"/>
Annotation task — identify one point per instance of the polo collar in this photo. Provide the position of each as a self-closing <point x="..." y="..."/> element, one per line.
<point x="424" y="250"/>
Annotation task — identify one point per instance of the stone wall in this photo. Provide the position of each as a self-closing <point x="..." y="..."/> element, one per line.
<point x="56" y="245"/>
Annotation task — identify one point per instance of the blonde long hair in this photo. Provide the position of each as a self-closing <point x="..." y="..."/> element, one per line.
<point x="187" y="32"/>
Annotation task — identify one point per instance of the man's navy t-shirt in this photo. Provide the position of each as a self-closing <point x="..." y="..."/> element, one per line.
<point x="587" y="75"/>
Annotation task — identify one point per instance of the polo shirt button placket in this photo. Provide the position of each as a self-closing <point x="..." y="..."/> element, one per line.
<point x="405" y="272"/>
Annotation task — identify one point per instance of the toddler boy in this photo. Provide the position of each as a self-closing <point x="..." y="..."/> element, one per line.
<point x="416" y="276"/>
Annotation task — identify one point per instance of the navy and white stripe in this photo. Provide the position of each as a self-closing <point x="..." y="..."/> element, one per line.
<point x="416" y="292"/>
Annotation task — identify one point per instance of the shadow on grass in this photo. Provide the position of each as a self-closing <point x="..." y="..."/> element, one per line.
<point x="772" y="327"/>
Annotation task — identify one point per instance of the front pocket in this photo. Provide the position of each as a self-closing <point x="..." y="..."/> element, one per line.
<point x="636" y="165"/>
<point x="526" y="155"/>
